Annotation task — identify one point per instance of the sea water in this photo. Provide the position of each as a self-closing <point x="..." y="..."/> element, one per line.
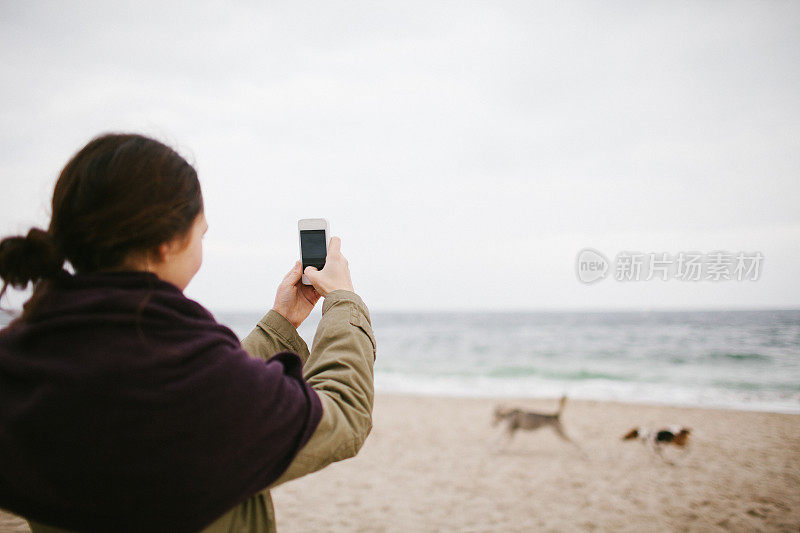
<point x="729" y="359"/>
<point x="734" y="359"/>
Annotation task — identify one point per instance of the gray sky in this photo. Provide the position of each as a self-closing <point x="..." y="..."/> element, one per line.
<point x="465" y="152"/>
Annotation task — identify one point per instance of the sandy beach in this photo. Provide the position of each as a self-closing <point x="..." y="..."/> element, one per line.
<point x="437" y="464"/>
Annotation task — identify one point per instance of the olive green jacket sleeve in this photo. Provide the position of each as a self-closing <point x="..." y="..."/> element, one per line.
<point x="340" y="368"/>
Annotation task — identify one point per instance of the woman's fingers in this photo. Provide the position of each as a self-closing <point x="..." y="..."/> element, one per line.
<point x="294" y="274"/>
<point x="335" y="246"/>
<point x="311" y="272"/>
<point x="310" y="293"/>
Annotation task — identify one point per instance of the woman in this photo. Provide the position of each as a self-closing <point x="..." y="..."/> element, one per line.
<point x="124" y="406"/>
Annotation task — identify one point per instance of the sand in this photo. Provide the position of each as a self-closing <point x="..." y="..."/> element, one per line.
<point x="437" y="464"/>
<point x="434" y="464"/>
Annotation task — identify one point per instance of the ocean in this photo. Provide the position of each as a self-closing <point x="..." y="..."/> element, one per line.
<point x="721" y="359"/>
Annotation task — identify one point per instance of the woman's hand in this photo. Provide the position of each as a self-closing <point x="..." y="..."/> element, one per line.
<point x="336" y="273"/>
<point x="295" y="301"/>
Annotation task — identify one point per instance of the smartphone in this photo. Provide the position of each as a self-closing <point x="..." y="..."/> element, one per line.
<point x="313" y="243"/>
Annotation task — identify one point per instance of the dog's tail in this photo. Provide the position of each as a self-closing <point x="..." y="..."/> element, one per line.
<point x="561" y="405"/>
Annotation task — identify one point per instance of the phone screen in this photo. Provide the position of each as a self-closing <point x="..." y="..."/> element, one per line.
<point x="312" y="247"/>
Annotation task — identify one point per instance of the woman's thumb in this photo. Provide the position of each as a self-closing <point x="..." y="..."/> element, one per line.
<point x="310" y="272"/>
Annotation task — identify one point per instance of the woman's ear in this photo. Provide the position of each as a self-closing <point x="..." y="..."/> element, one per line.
<point x="163" y="251"/>
<point x="175" y="246"/>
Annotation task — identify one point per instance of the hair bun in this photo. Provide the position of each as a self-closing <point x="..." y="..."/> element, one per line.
<point x="29" y="258"/>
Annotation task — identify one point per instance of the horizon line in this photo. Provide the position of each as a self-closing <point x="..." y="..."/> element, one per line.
<point x="548" y="310"/>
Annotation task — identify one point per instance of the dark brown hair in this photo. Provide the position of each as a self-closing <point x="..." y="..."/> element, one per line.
<point x="120" y="194"/>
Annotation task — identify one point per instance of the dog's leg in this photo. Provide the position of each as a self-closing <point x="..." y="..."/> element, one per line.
<point x="560" y="432"/>
<point x="510" y="430"/>
<point x="498" y="438"/>
<point x="650" y="444"/>
<point x="510" y="433"/>
<point x="660" y="453"/>
<point x="559" y="429"/>
<point x="502" y="438"/>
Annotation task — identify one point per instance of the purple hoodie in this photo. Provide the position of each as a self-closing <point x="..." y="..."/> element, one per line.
<point x="125" y="405"/>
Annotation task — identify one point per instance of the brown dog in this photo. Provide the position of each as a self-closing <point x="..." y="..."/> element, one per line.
<point x="519" y="419"/>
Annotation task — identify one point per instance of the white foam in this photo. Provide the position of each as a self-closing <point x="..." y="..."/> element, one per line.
<point x="602" y="390"/>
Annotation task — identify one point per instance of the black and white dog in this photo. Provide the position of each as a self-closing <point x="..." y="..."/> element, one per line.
<point x="677" y="436"/>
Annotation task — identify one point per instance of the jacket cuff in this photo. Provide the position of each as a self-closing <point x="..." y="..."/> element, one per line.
<point x="339" y="295"/>
<point x="359" y="314"/>
<point x="278" y="324"/>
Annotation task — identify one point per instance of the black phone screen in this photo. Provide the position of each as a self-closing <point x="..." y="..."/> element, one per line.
<point x="312" y="248"/>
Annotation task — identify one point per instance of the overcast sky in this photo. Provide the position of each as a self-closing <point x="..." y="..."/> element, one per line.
<point x="464" y="152"/>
